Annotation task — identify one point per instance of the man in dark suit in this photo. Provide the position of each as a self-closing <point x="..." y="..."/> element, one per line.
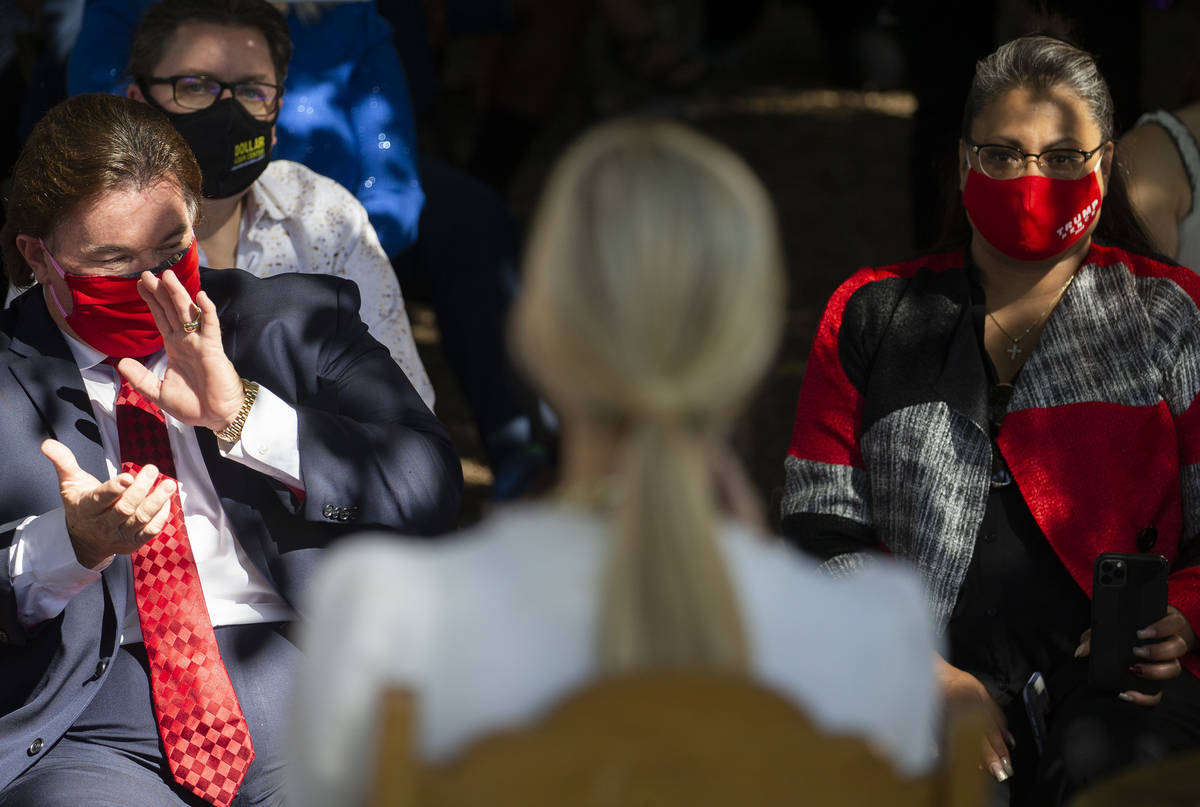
<point x="280" y="424"/>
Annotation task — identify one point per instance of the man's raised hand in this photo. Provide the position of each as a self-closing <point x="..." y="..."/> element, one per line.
<point x="200" y="386"/>
<point x="109" y="518"/>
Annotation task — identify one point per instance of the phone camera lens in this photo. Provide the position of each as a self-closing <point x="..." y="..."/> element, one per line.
<point x="1106" y="579"/>
<point x="1106" y="566"/>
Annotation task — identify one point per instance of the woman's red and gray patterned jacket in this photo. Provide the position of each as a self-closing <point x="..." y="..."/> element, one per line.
<point x="891" y="447"/>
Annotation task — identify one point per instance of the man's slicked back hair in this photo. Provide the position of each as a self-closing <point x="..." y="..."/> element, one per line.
<point x="85" y="146"/>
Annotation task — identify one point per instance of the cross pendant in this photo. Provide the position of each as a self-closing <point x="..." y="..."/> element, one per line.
<point x="1013" y="350"/>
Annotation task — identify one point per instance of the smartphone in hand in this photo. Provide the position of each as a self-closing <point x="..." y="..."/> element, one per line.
<point x="1129" y="592"/>
<point x="1037" y="708"/>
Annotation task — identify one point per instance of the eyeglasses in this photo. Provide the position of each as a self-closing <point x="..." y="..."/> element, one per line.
<point x="1008" y="162"/>
<point x="259" y="98"/>
<point x="163" y="266"/>
<point x="154" y="270"/>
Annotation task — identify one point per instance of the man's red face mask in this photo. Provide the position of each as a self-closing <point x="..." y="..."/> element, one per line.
<point x="108" y="313"/>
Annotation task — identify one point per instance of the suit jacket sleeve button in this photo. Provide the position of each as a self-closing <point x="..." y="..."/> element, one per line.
<point x="101" y="666"/>
<point x="35" y="747"/>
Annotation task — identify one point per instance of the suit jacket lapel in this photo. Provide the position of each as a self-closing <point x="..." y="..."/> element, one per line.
<point x="209" y="283"/>
<point x="46" y="370"/>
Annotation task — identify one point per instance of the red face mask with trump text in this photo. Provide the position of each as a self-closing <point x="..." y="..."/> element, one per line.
<point x="1031" y="217"/>
<point x="108" y="313"/>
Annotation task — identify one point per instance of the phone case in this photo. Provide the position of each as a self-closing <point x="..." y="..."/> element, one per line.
<point x="1037" y="707"/>
<point x="1129" y="592"/>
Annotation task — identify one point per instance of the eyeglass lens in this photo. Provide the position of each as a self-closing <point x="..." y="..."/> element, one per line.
<point x="197" y="92"/>
<point x="168" y="263"/>
<point x="1004" y="162"/>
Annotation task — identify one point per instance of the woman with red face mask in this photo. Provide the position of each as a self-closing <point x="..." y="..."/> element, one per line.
<point x="1001" y="412"/>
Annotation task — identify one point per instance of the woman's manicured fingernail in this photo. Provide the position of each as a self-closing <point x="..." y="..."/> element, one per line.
<point x="1141" y="652"/>
<point x="1012" y="741"/>
<point x="998" y="771"/>
<point x="1007" y="763"/>
<point x="1136" y="669"/>
<point x="1147" y="633"/>
<point x="1079" y="651"/>
<point x="1125" y="696"/>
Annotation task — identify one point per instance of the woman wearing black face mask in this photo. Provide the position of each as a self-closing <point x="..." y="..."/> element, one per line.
<point x="1002" y="412"/>
<point x="231" y="143"/>
<point x="216" y="69"/>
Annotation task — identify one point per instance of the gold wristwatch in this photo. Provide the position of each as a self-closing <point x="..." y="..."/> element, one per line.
<point x="233" y="432"/>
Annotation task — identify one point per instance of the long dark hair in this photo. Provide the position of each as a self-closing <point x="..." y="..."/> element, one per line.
<point x="1038" y="62"/>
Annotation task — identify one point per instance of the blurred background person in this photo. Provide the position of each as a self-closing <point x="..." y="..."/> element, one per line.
<point x="1163" y="159"/>
<point x="35" y="40"/>
<point x="1003" y="411"/>
<point x="650" y="307"/>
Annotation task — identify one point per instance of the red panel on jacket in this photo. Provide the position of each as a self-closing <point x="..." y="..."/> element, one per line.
<point x="1095" y="475"/>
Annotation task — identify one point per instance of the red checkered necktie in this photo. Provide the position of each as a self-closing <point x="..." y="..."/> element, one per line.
<point x="204" y="734"/>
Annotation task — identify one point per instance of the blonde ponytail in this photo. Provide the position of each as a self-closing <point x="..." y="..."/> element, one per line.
<point x="652" y="302"/>
<point x="668" y="597"/>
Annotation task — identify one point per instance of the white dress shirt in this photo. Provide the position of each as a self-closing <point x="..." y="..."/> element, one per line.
<point x="44" y="571"/>
<point x="491" y="629"/>
<point x="296" y="220"/>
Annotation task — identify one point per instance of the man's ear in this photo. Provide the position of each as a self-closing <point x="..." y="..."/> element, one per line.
<point x="135" y="92"/>
<point x="44" y="273"/>
<point x="34" y="255"/>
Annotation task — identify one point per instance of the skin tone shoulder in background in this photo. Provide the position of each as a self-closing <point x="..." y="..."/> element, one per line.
<point x="1158" y="181"/>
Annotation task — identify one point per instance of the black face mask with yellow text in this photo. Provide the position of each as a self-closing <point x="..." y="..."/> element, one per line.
<point x="231" y="145"/>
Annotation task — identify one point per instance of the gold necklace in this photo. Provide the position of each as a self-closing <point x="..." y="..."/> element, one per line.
<point x="1015" y="348"/>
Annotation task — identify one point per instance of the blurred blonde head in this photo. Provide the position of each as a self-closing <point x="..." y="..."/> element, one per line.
<point x="651" y="305"/>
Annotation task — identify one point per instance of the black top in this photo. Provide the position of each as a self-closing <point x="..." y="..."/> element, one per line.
<point x="1019" y="610"/>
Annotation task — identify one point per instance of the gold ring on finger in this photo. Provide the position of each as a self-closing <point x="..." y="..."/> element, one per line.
<point x="193" y="325"/>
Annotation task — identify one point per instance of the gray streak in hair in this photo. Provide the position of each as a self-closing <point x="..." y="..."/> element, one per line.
<point x="1040" y="62"/>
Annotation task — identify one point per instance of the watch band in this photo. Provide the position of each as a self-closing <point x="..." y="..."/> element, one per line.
<point x="233" y="432"/>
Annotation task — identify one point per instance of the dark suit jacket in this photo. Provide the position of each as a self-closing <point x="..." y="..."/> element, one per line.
<point x="371" y="454"/>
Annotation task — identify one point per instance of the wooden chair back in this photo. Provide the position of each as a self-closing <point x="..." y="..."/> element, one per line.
<point x="668" y="739"/>
<point x="1174" y="782"/>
